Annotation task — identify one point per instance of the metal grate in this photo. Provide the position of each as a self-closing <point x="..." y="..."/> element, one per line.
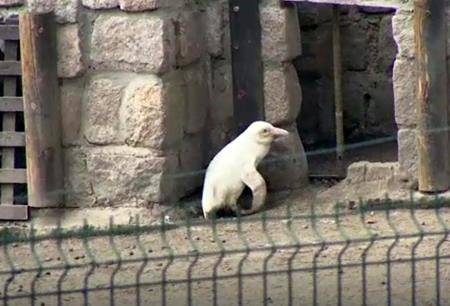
<point x="13" y="176"/>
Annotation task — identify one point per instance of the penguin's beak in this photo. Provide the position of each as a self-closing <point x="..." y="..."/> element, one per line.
<point x="277" y="132"/>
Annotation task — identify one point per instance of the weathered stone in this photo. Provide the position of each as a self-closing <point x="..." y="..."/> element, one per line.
<point x="355" y="49"/>
<point x="130" y="176"/>
<point x="386" y="46"/>
<point x="144" y="5"/>
<point x="280" y="33"/>
<point x="153" y="112"/>
<point x="190" y="37"/>
<point x="147" y="47"/>
<point x="101" y="123"/>
<point x="403" y="30"/>
<point x="404" y="79"/>
<point x="197" y="98"/>
<point x="100" y="4"/>
<point x="11" y="2"/>
<point x="41" y="6"/>
<point x="191" y="173"/>
<point x="221" y="102"/>
<point x="77" y="182"/>
<point x="407" y="151"/>
<point x="356" y="172"/>
<point x="215" y="28"/>
<point x="218" y="137"/>
<point x="66" y="11"/>
<point x="71" y="110"/>
<point x="377" y="171"/>
<point x="70" y="63"/>
<point x="286" y="166"/>
<point x="282" y="94"/>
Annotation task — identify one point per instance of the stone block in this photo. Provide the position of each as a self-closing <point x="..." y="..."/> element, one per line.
<point x="403" y="31"/>
<point x="215" y="28"/>
<point x="386" y="46"/>
<point x="404" y="83"/>
<point x="153" y="111"/>
<point x="377" y="171"/>
<point x="77" y="182"/>
<point x="148" y="47"/>
<point x="191" y="172"/>
<point x="41" y="6"/>
<point x="102" y="103"/>
<point x="71" y="110"/>
<point x="356" y="172"/>
<point x="100" y="4"/>
<point x="6" y="3"/>
<point x="148" y="5"/>
<point x="286" y="166"/>
<point x="282" y="94"/>
<point x="190" y="37"/>
<point x="66" y="11"/>
<point x="280" y="33"/>
<point x="221" y="102"/>
<point x="407" y="152"/>
<point x="130" y="176"/>
<point x="197" y="98"/>
<point x="70" y="62"/>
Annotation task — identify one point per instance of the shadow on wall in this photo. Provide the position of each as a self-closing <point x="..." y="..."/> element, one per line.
<point x="368" y="54"/>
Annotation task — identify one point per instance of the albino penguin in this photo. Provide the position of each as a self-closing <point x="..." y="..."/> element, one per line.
<point x="234" y="167"/>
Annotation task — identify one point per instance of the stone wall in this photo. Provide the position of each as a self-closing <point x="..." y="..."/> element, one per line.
<point x="286" y="165"/>
<point x="136" y="81"/>
<point x="368" y="54"/>
<point x="146" y="94"/>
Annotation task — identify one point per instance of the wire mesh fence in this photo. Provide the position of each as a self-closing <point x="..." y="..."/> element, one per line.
<point x="387" y="253"/>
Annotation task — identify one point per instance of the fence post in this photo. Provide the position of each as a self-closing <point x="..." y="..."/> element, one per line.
<point x="430" y="41"/>
<point x="41" y="109"/>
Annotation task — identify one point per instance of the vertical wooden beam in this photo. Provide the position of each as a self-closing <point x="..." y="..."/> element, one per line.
<point x="337" y="71"/>
<point x="42" y="110"/>
<point x="247" y="68"/>
<point x="430" y="39"/>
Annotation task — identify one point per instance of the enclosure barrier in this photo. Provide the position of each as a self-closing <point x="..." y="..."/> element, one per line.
<point x="355" y="254"/>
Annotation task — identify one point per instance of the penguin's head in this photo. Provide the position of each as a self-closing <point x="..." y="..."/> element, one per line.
<point x="265" y="133"/>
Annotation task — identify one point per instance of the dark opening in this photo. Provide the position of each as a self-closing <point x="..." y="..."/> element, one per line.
<point x="368" y="55"/>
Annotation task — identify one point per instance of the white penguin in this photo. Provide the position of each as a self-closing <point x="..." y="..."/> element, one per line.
<point x="234" y="167"/>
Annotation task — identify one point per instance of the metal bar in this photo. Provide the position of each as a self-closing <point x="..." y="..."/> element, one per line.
<point x="337" y="71"/>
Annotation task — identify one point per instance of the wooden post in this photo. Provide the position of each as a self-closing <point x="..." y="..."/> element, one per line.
<point x="42" y="110"/>
<point x="247" y="70"/>
<point x="337" y="70"/>
<point x="430" y="39"/>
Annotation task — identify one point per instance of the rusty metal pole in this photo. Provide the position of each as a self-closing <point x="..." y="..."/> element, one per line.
<point x="430" y="32"/>
<point x="337" y="70"/>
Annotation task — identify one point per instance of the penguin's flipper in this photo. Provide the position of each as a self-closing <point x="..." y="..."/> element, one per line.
<point x="257" y="184"/>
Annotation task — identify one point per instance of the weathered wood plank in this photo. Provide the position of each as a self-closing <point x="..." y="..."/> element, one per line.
<point x="10" y="140"/>
<point x="11" y="104"/>
<point x="41" y="109"/>
<point x="430" y="29"/>
<point x="13" y="212"/>
<point x="247" y="67"/>
<point x="9" y="32"/>
<point x="10" y="68"/>
<point x="13" y="176"/>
